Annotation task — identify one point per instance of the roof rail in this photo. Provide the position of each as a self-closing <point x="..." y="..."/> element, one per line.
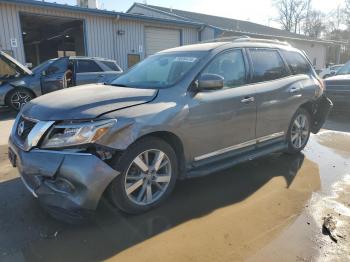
<point x="245" y="38"/>
<point x="261" y="40"/>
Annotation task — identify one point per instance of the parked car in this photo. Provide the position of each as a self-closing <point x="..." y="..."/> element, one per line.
<point x="338" y="88"/>
<point x="18" y="84"/>
<point x="182" y="113"/>
<point x="330" y="71"/>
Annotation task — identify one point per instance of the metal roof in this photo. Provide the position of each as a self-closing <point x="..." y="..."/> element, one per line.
<point x="228" y="24"/>
<point x="101" y="12"/>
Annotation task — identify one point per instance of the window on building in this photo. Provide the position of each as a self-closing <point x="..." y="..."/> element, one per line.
<point x="85" y="66"/>
<point x="229" y="65"/>
<point x="268" y="65"/>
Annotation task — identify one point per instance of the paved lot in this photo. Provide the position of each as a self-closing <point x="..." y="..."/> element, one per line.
<point x="269" y="209"/>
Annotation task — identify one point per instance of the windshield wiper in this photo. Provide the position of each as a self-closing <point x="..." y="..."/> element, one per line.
<point x="121" y="85"/>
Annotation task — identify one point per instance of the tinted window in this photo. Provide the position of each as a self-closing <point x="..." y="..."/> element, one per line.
<point x="85" y="66"/>
<point x="297" y="63"/>
<point x="110" y="66"/>
<point x="230" y="66"/>
<point x="268" y="65"/>
<point x="58" y="66"/>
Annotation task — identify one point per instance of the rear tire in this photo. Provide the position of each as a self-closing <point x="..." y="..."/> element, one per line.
<point x="144" y="183"/>
<point x="299" y="131"/>
<point x="18" y="97"/>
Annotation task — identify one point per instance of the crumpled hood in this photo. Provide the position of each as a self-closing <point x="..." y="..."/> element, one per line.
<point x="85" y="102"/>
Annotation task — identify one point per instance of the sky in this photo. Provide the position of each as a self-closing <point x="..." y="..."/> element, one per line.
<point x="258" y="11"/>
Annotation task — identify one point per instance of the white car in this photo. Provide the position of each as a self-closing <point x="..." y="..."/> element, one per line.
<point x="330" y="71"/>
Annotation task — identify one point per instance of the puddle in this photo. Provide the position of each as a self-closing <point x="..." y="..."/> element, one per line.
<point x="303" y="240"/>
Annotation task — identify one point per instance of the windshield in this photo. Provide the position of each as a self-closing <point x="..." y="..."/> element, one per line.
<point x="160" y="71"/>
<point x="344" y="70"/>
<point x="43" y="65"/>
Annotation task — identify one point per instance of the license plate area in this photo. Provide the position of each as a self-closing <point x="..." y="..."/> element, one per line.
<point x="12" y="157"/>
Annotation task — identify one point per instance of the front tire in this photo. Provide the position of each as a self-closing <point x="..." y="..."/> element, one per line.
<point x="299" y="131"/>
<point x="18" y="97"/>
<point x="148" y="176"/>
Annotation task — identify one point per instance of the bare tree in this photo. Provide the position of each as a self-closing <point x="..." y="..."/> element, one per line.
<point x="291" y="13"/>
<point x="314" y="24"/>
<point x="346" y="12"/>
<point x="336" y="18"/>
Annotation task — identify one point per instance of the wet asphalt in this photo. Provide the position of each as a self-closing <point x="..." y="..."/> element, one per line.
<point x="269" y="209"/>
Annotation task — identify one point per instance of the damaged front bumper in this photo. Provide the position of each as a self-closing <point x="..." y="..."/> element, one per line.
<point x="321" y="109"/>
<point x="66" y="183"/>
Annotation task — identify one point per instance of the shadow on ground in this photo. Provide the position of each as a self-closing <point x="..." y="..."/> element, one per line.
<point x="6" y="114"/>
<point x="28" y="233"/>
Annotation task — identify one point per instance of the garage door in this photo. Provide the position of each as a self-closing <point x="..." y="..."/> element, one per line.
<point x="158" y="39"/>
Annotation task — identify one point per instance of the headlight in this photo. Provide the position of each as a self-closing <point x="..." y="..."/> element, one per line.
<point x="77" y="134"/>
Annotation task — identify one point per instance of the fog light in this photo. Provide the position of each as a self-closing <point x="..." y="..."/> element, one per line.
<point x="60" y="185"/>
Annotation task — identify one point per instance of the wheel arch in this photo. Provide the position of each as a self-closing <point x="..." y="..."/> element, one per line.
<point x="7" y="96"/>
<point x="175" y="142"/>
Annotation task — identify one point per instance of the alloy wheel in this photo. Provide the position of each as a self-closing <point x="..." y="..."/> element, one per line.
<point x="148" y="177"/>
<point x="300" y="131"/>
<point x="19" y="99"/>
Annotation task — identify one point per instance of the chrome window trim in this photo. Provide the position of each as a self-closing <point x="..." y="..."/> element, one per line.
<point x="239" y="146"/>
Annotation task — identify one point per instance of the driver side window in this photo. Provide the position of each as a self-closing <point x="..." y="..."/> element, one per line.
<point x="230" y="65"/>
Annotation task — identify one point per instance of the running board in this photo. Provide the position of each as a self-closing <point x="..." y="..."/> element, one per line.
<point x="229" y="162"/>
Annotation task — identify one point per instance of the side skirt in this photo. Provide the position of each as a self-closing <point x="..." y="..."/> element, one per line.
<point x="231" y="161"/>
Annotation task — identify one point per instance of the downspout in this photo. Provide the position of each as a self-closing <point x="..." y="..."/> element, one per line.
<point x="200" y="30"/>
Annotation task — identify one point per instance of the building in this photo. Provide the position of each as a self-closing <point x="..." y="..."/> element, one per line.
<point x="220" y="27"/>
<point x="34" y="31"/>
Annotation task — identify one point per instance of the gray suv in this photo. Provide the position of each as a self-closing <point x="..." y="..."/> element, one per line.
<point x="182" y="113"/>
<point x="18" y="84"/>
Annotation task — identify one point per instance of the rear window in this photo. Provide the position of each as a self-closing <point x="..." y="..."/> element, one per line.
<point x="110" y="66"/>
<point x="297" y="63"/>
<point x="85" y="66"/>
<point x="268" y="65"/>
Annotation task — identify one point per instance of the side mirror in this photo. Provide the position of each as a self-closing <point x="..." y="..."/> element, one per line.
<point x="332" y="73"/>
<point x="210" y="82"/>
<point x="43" y="73"/>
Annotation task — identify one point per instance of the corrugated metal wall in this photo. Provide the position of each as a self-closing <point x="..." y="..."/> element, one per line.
<point x="101" y="35"/>
<point x="207" y="33"/>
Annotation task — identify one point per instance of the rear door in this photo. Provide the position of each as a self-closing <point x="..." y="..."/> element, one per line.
<point x="278" y="93"/>
<point x="87" y="71"/>
<point x="52" y="78"/>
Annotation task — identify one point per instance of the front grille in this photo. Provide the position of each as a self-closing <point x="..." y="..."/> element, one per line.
<point x="24" y="127"/>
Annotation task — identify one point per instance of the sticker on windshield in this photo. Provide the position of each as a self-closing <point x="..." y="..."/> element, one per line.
<point x="185" y="59"/>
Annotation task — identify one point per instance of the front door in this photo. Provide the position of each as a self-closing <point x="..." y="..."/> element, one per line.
<point x="223" y="120"/>
<point x="53" y="78"/>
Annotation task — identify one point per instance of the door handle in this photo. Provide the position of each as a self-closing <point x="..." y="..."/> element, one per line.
<point x="101" y="76"/>
<point x="248" y="99"/>
<point x="294" y="90"/>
